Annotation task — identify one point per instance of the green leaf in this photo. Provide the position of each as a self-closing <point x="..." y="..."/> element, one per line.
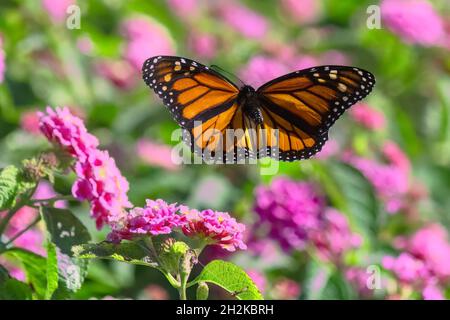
<point x="231" y="278"/>
<point x="8" y="186"/>
<point x="35" y="269"/>
<point x="129" y="252"/>
<point x="4" y="274"/>
<point x="52" y="270"/>
<point x="316" y="279"/>
<point x="360" y="200"/>
<point x="65" y="231"/>
<point x="13" y="289"/>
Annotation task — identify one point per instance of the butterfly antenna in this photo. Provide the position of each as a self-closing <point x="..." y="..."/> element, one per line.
<point x="217" y="68"/>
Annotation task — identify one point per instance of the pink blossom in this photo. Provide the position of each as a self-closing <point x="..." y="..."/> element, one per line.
<point x="156" y="154"/>
<point x="85" y="45"/>
<point x="368" y="117"/>
<point x="334" y="238"/>
<point x="45" y="190"/>
<point x="57" y="9"/>
<point x="183" y="8"/>
<point x="286" y="289"/>
<point x="432" y="246"/>
<point x="146" y="38"/>
<point x="100" y="182"/>
<point x="330" y="149"/>
<point x="119" y="72"/>
<point x="396" y="156"/>
<point x="23" y="217"/>
<point x="406" y="268"/>
<point x="29" y="122"/>
<point x="258" y="278"/>
<point x="157" y="217"/>
<point x="2" y="61"/>
<point x="261" y="69"/>
<point x="214" y="227"/>
<point x="303" y="62"/>
<point x="407" y="19"/>
<point x="244" y="20"/>
<point x="61" y="127"/>
<point x="302" y="11"/>
<point x="98" y="179"/>
<point x="358" y="278"/>
<point x="289" y="210"/>
<point x="156" y="292"/>
<point x="204" y="45"/>
<point x="432" y="292"/>
<point x="31" y="240"/>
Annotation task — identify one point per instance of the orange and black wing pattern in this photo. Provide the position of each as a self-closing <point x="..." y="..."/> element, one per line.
<point x="191" y="91"/>
<point x="303" y="105"/>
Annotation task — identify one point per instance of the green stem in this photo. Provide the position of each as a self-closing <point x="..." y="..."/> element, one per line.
<point x="22" y="202"/>
<point x="17" y="235"/>
<point x="182" y="288"/>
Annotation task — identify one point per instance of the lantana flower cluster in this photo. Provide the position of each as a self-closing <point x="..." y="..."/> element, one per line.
<point x="98" y="179"/>
<point x="100" y="182"/>
<point x="424" y="263"/>
<point x="296" y="215"/>
<point x="159" y="217"/>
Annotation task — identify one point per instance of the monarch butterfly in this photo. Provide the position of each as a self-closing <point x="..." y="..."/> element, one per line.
<point x="287" y="118"/>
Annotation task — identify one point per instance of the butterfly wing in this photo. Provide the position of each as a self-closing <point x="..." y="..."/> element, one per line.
<point x="191" y="91"/>
<point x="303" y="105"/>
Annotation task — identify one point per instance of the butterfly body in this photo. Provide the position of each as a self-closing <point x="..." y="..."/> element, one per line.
<point x="287" y="118"/>
<point x="248" y="100"/>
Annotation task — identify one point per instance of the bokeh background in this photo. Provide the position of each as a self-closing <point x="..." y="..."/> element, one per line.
<point x="368" y="218"/>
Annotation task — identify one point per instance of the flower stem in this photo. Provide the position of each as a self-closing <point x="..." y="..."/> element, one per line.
<point x="182" y="288"/>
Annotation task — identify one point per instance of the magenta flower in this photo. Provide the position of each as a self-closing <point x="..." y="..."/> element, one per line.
<point x="334" y="238"/>
<point x="157" y="217"/>
<point x="406" y="268"/>
<point x="302" y="11"/>
<point x="286" y="289"/>
<point x="261" y="69"/>
<point x="203" y="45"/>
<point x="57" y="9"/>
<point x="156" y="154"/>
<point x="98" y="179"/>
<point x="290" y="210"/>
<point x="184" y="8"/>
<point x="146" y="38"/>
<point x="368" y="117"/>
<point x="407" y="19"/>
<point x="358" y="278"/>
<point x="258" y="278"/>
<point x="214" y="227"/>
<point x="2" y="61"/>
<point x="244" y="20"/>
<point x="100" y="182"/>
<point x="64" y="129"/>
<point x="29" y="122"/>
<point x="424" y="263"/>
<point x="119" y="72"/>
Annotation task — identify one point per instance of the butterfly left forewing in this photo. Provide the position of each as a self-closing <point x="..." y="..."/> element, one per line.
<point x="190" y="90"/>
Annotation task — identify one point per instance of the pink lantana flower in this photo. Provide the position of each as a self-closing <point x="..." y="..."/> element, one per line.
<point x="368" y="117"/>
<point x="64" y="129"/>
<point x="407" y="19"/>
<point x="157" y="217"/>
<point x="100" y="182"/>
<point x="244" y="20"/>
<point x="57" y="9"/>
<point x="214" y="227"/>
